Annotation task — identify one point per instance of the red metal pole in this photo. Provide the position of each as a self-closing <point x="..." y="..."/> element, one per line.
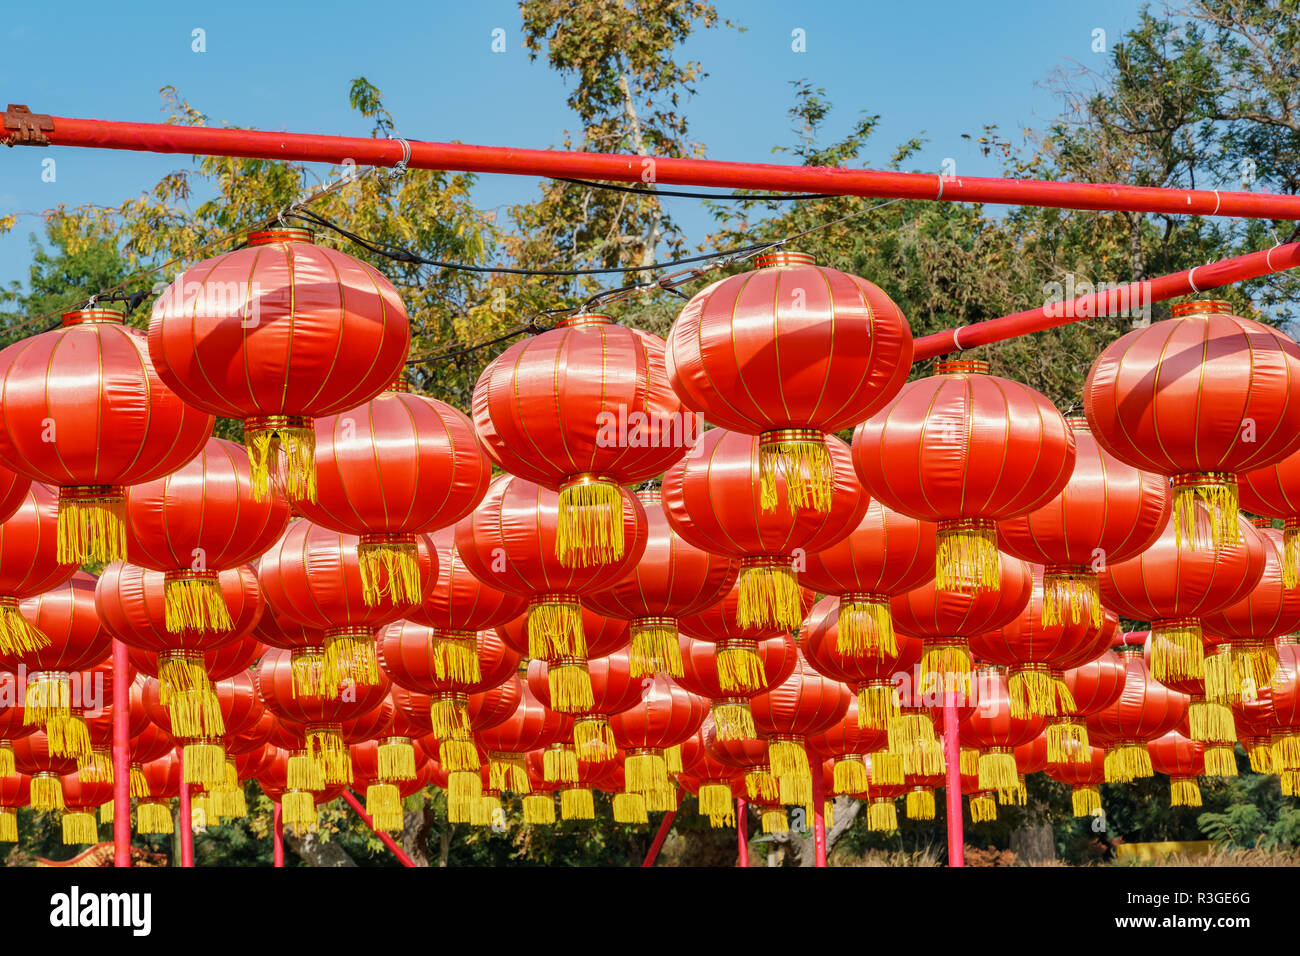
<point x="306" y="147"/>
<point x="664" y="826"/>
<point x="952" y="761"/>
<point x="819" y="810"/>
<point x="384" y="838"/>
<point x="277" y="835"/>
<point x="121" y="756"/>
<point x="1131" y="297"/>
<point x="742" y="830"/>
<point x="186" y="821"/>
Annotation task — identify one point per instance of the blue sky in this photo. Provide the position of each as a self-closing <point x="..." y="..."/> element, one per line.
<point x="937" y="69"/>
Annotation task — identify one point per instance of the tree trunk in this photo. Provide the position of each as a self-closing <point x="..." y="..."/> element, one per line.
<point x="1034" y="842"/>
<point x="845" y="811"/>
<point x="444" y="844"/>
<point x="415" y="835"/>
<point x="317" y="852"/>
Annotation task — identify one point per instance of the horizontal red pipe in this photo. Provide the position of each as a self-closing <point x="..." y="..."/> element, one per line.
<point x="308" y="147"/>
<point x="1131" y="297"/>
<point x="388" y="841"/>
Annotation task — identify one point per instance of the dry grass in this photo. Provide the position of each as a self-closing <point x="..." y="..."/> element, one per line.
<point x="1227" y="857"/>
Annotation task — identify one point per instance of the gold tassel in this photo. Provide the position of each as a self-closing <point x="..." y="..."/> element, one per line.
<point x="555" y="629"/>
<point x="908" y="730"/>
<point x="969" y="761"/>
<point x="1209" y="721"/>
<point x="304" y="773"/>
<point x="577" y="804"/>
<point x="49" y="694"/>
<point x="326" y="746"/>
<point x="68" y="736"/>
<point x="774" y="820"/>
<point x="7" y="767"/>
<point x="983" y="808"/>
<point x="106" y="812"/>
<point x="589" y="529"/>
<point x="153" y="817"/>
<point x="539" y="809"/>
<point x="17" y="635"/>
<point x="882" y="815"/>
<point x="967" y="556"/>
<point x="298" y="810"/>
<point x="8" y="825"/>
<point x="1291" y="553"/>
<point x="716" y="803"/>
<point x="732" y="719"/>
<point x="464" y="786"/>
<point x="865" y="628"/>
<point x="787" y="757"/>
<point x="192" y="601"/>
<point x="1086" y="800"/>
<point x="459" y="755"/>
<point x="1019" y="794"/>
<point x="1220" y="761"/>
<point x="184" y="688"/>
<point x="91" y="525"/>
<point x="1076" y="590"/>
<point x="661" y="800"/>
<point x="205" y="763"/>
<point x="46" y="793"/>
<point x="673" y="758"/>
<point x="800" y="455"/>
<point x="794" y="789"/>
<point x="1217" y="493"/>
<point x="98" y="766"/>
<point x="1183" y="792"/>
<point x="593" y="740"/>
<point x="850" y="775"/>
<point x="1067" y="742"/>
<point x="1260" y="753"/>
<point x="1176" y="651"/>
<point x="349" y="655"/>
<point x="997" y="771"/>
<point x="887" y="769"/>
<point x="947" y="666"/>
<point x="560" y="764"/>
<point x="1288" y="780"/>
<point x="229" y="802"/>
<point x="508" y="771"/>
<point x="645" y="770"/>
<point x="1035" y="691"/>
<point x="760" y="785"/>
<point x="1127" y="762"/>
<point x="1255" y="662"/>
<point x="1222" y="685"/>
<point x="459" y="811"/>
<point x="877" y="704"/>
<point x="486" y="810"/>
<point x="920" y="804"/>
<point x="79" y="827"/>
<point x="740" y="668"/>
<point x="308" y="667"/>
<point x="570" y="685"/>
<point x="654" y="648"/>
<point x="449" y="715"/>
<point x="396" y="759"/>
<point x="384" y="807"/>
<point x="1286" y="751"/>
<point x="455" y="656"/>
<point x="769" y="595"/>
<point x="629" y="808"/>
<point x="288" y="443"/>
<point x="390" y="568"/>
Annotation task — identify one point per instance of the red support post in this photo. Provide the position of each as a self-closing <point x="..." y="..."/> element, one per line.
<point x="742" y="830"/>
<point x="277" y="835"/>
<point x="121" y="756"/>
<point x="819" y="810"/>
<point x="664" y="826"/>
<point x="384" y="838"/>
<point x="186" y="815"/>
<point x="952" y="762"/>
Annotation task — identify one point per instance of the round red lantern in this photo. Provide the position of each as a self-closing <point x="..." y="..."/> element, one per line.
<point x="34" y="757"/>
<point x="29" y="564"/>
<point x="1084" y="778"/>
<point x="666" y="715"/>
<point x="532" y="726"/>
<point x="789" y="352"/>
<point x="846" y="743"/>
<point x="15" y="793"/>
<point x="1145" y="710"/>
<point x="614" y="689"/>
<point x="1183" y="761"/>
<point x="1275" y="491"/>
<point x="729" y="709"/>
<point x="83" y="795"/>
<point x="803" y="704"/>
<point x="997" y="731"/>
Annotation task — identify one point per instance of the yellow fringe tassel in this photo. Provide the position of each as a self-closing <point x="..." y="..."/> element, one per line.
<point x="716" y="803"/>
<point x="539" y="809"/>
<point x="194" y="603"/>
<point x="769" y="597"/>
<point x="1218" y="516"/>
<point x="850" y="776"/>
<point x="1077" y="591"/>
<point x="349" y="656"/>
<point x="983" y="808"/>
<point x="1177" y="652"/>
<point x="1034" y="691"/>
<point x="291" y="451"/>
<point x="459" y="811"/>
<point x="79" y="827"/>
<point x="17" y="634"/>
<point x="1127" y="762"/>
<point x="560" y="764"/>
<point x="8" y="825"/>
<point x="661" y="800"/>
<point x="98" y="766"/>
<point x="229" y="804"/>
<point x="1067" y="742"/>
<point x="787" y="758"/>
<point x="384" y="807"/>
<point x="389" y="569"/>
<point x="486" y="811"/>
<point x="877" y="704"/>
<point x="1086" y="800"/>
<point x="47" y="793"/>
<point x="908" y="730"/>
<point x="967" y="557"/>
<point x="1184" y="792"/>
<point x="327" y="747"/>
<point x="205" y="763"/>
<point x="298" y="810"/>
<point x="774" y="820"/>
<point x="1211" y="722"/>
<point x="1286" y="751"/>
<point x="645" y="770"/>
<point x="450" y="717"/>
<point x="733" y="720"/>
<point x="947" y="667"/>
<point x="308" y="668"/>
<point x="455" y="656"/>
<point x="594" y="740"/>
<point x="7" y="767"/>
<point x="68" y="736"/>
<point x="760" y="785"/>
<point x="887" y="769"/>
<point x="184" y="688"/>
<point x="396" y="759"/>
<point x="91" y="530"/>
<point x="153" y="817"/>
<point x="304" y="773"/>
<point x="740" y="668"/>
<point x="508" y="771"/>
<point x="673" y="758"/>
<point x="1260" y="753"/>
<point x="920" y="804"/>
<point x="577" y="804"/>
<point x="589" y="529"/>
<point x="807" y="467"/>
<point x="1222" y="685"/>
<point x="654" y="650"/>
<point x="458" y="755"/>
<point x="106" y="812"/>
<point x="49" y="694"/>
<point x="570" y="685"/>
<point x="794" y="790"/>
<point x="997" y="771"/>
<point x="865" y="629"/>
<point x="1291" y="556"/>
<point x="1220" y="761"/>
<point x="969" y="761"/>
<point x="555" y="630"/>
<point x="464" y="786"/>
<point x="1288" y="779"/>
<point x="1254" y="663"/>
<point x="629" y="808"/>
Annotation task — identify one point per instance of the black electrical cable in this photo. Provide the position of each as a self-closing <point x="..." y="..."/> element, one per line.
<point x="740" y="197"/>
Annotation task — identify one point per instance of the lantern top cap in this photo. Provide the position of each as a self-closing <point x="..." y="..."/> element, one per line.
<point x="961" y="367"/>
<point x="1286" y="640"/>
<point x="398" y="384"/>
<point x="266" y="237"/>
<point x="1202" y="307"/>
<point x="778" y="258"/>
<point x="1262" y="522"/>
<point x="1077" y="421"/>
<point x="583" y="319"/>
<point x="88" y="316"/>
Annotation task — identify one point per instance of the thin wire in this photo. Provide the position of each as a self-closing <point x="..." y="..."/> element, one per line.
<point x="765" y="197"/>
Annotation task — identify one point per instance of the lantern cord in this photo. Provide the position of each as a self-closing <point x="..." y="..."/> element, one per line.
<point x="743" y="197"/>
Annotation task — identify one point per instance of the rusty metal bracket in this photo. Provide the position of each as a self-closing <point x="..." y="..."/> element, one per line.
<point x="25" y="128"/>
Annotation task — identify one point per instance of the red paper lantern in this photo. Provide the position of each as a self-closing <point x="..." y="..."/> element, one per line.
<point x="29" y="564"/>
<point x="748" y="756"/>
<point x="1183" y="760"/>
<point x="34" y="757"/>
<point x="580" y="410"/>
<point x="312" y="578"/>
<point x="82" y="796"/>
<point x="665" y="716"/>
<point x="532" y="726"/>
<point x="1283" y="702"/>
<point x="1144" y="711"/>
<point x="1108" y="511"/>
<point x="400" y="465"/>
<point x="803" y="704"/>
<point x="716" y="784"/>
<point x="197" y="521"/>
<point x="714" y="499"/>
<point x="997" y="731"/>
<point x="276" y="333"/>
<point x="15" y="793"/>
<point x="206" y="759"/>
<point x="1201" y="397"/>
<point x="789" y="352"/>
<point x="729" y="709"/>
<point x="1084" y="778"/>
<point x="13" y="492"/>
<point x="846" y="743"/>
<point x="161" y="781"/>
<point x="966" y="449"/>
<point x="1275" y="491"/>
<point x="82" y="408"/>
<point x="614" y="689"/>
